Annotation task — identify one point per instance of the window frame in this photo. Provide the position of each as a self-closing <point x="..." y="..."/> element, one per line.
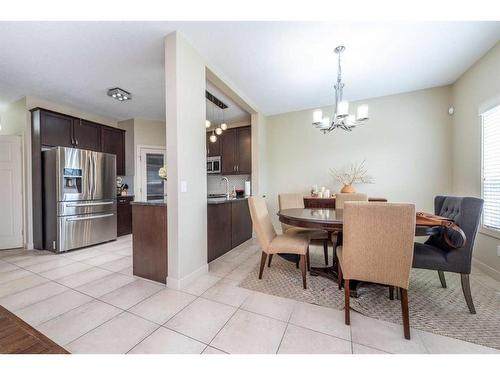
<point x="495" y="233"/>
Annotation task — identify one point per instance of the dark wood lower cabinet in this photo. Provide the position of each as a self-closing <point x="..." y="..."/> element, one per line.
<point x="124" y="215"/>
<point x="149" y="224"/>
<point x="229" y="224"/>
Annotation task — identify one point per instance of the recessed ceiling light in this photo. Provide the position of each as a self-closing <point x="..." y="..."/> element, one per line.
<point x="119" y="94"/>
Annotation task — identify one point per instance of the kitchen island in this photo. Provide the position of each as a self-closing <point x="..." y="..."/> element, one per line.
<point x="149" y="238"/>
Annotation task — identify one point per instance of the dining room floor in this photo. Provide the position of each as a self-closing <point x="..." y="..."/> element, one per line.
<point x="88" y="301"/>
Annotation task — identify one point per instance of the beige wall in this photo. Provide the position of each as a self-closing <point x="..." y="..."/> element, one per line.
<point x="477" y="87"/>
<point x="406" y="144"/>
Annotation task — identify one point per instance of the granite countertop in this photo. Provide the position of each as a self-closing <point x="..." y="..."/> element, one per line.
<point x="156" y="202"/>
<point x="224" y="200"/>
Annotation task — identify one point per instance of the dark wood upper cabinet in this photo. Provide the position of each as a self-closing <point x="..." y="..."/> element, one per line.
<point x="213" y="148"/>
<point x="244" y="140"/>
<point x="56" y="129"/>
<point x="237" y="151"/>
<point x="87" y="135"/>
<point x="241" y="223"/>
<point x="113" y="142"/>
<point x="228" y="142"/>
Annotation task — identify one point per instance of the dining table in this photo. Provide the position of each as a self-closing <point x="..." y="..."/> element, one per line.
<point x="331" y="221"/>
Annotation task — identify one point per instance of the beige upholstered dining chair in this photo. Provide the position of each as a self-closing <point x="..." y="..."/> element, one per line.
<point x="271" y="243"/>
<point x="378" y="248"/>
<point x="341" y="198"/>
<point x="293" y="200"/>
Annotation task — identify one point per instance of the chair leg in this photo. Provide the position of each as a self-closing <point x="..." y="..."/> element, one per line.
<point x="262" y="263"/>
<point x="308" y="258"/>
<point x="391" y="292"/>
<point x="346" y="298"/>
<point x="325" y="251"/>
<point x="297" y="262"/>
<point x="269" y="261"/>
<point x="442" y="279"/>
<point x="464" y="277"/>
<point x="340" y="276"/>
<point x="406" y="313"/>
<point x="303" y="269"/>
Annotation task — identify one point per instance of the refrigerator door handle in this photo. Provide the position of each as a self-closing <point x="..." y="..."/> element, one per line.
<point x="89" y="217"/>
<point x="88" y="204"/>
<point x="94" y="174"/>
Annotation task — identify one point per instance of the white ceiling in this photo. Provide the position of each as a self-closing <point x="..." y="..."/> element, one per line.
<point x="279" y="66"/>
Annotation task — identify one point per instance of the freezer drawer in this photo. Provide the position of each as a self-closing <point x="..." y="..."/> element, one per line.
<point x="85" y="207"/>
<point x="84" y="230"/>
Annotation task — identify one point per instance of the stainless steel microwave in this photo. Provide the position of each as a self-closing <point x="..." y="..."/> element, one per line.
<point x="213" y="165"/>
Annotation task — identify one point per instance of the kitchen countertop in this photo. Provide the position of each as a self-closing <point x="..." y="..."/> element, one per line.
<point x="163" y="202"/>
<point x="224" y="200"/>
<point x="157" y="202"/>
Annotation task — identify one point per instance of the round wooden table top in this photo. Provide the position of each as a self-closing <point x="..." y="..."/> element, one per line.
<point x="329" y="220"/>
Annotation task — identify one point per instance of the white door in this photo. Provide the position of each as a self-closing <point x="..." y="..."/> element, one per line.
<point x="151" y="159"/>
<point x="11" y="193"/>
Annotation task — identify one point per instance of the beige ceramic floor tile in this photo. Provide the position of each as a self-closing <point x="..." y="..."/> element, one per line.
<point x="31" y="295"/>
<point x="384" y="336"/>
<point x="249" y="333"/>
<point x="201" y="284"/>
<point x="163" y="305"/>
<point x="437" y="344"/>
<point x="68" y="270"/>
<point x="83" y="254"/>
<point x="102" y="259"/>
<point x="13" y="274"/>
<point x="127" y="271"/>
<point x="118" y="264"/>
<point x="220" y="268"/>
<point x="361" y="349"/>
<point x="271" y="306"/>
<point x="11" y="253"/>
<point x="210" y="350"/>
<point x="52" y="307"/>
<point x="201" y="320"/>
<point x="50" y="264"/>
<point x="299" y="340"/>
<point x="118" y="335"/>
<point x="166" y="341"/>
<point x="74" y="323"/>
<point x="5" y="267"/>
<point x="225" y="293"/>
<point x="100" y="287"/>
<point x="30" y="257"/>
<point x="321" y="319"/>
<point x="132" y="293"/>
<point x="84" y="277"/>
<point x="17" y="285"/>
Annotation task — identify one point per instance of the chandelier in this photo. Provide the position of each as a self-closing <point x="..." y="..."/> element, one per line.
<point x="341" y="117"/>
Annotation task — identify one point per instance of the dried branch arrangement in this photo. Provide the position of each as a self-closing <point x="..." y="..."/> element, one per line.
<point x="355" y="174"/>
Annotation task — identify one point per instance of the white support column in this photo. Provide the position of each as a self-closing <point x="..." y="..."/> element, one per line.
<point x="186" y="161"/>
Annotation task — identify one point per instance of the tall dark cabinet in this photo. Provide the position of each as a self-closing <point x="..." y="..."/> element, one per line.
<point x="51" y="129"/>
<point x="236" y="151"/>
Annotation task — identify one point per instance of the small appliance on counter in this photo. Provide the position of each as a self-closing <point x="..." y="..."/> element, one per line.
<point x="247" y="188"/>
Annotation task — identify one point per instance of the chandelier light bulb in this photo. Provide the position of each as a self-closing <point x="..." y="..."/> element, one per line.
<point x="218" y="131"/>
<point x="223" y="126"/>
<point x="343" y="109"/>
<point x="213" y="138"/>
<point x="317" y="116"/>
<point x="324" y="123"/>
<point x="362" y="114"/>
<point x="207" y="124"/>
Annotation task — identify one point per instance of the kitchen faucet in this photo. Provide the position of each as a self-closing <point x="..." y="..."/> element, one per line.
<point x="224" y="178"/>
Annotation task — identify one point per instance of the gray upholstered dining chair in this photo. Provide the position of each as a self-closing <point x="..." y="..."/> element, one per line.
<point x="378" y="248"/>
<point x="272" y="243"/>
<point x="436" y="255"/>
<point x="293" y="200"/>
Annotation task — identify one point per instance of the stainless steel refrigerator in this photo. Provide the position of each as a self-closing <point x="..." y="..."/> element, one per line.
<point x="79" y="198"/>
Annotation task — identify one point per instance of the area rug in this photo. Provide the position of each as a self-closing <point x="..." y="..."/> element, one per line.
<point x="432" y="308"/>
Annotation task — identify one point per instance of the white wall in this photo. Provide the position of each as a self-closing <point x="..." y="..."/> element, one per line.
<point x="478" y="86"/>
<point x="406" y="144"/>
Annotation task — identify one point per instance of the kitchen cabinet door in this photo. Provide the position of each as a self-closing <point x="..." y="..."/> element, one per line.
<point x="124" y="216"/>
<point x="213" y="148"/>
<point x="229" y="159"/>
<point x="113" y="142"/>
<point x="241" y="223"/>
<point x="244" y="147"/>
<point x="56" y="129"/>
<point x="87" y="135"/>
<point x="218" y="230"/>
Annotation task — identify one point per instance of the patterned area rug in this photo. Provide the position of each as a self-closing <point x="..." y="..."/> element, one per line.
<point x="432" y="308"/>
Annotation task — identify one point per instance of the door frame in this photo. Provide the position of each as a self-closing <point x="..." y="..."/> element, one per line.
<point x="140" y="173"/>
<point x="19" y="148"/>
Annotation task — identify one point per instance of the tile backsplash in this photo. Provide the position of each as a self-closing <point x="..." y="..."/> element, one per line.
<point x="216" y="186"/>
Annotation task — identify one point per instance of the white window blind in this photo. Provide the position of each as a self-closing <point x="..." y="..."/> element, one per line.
<point x="491" y="168"/>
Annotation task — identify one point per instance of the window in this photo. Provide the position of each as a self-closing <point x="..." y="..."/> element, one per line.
<point x="491" y="168"/>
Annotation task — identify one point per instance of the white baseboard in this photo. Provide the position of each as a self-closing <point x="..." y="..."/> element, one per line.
<point x="486" y="269"/>
<point x="185" y="281"/>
